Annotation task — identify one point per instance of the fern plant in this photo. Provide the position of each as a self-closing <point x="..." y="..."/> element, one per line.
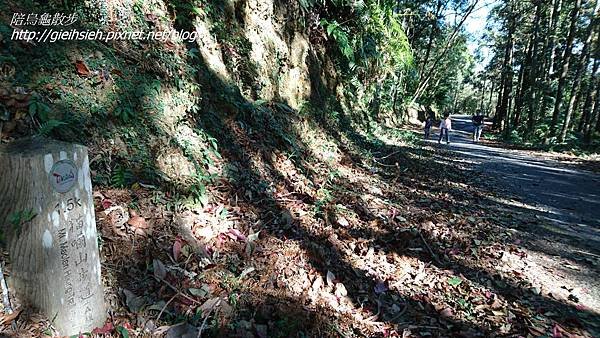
<point x="197" y="189"/>
<point x="47" y="127"/>
<point x="124" y="113"/>
<point x="39" y="109"/>
<point x="121" y="177"/>
<point x="306" y="5"/>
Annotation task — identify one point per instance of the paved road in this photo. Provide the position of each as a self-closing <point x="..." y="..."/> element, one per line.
<point x="563" y="240"/>
<point x="567" y="198"/>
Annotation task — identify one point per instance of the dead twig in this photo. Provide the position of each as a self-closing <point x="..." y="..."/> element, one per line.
<point x="373" y="317"/>
<point x="164" y="307"/>
<point x="586" y="253"/>
<point x="421" y="326"/>
<point x="399" y="314"/>
<point x="385" y="165"/>
<point x="206" y="318"/>
<point x="177" y="290"/>
<point x="433" y="255"/>
<point x="383" y="158"/>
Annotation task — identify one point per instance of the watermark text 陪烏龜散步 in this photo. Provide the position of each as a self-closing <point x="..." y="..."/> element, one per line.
<point x="43" y="19"/>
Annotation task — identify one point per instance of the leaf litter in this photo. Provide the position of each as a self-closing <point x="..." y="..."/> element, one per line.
<point x="369" y="251"/>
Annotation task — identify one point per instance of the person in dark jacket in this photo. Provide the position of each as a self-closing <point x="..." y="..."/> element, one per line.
<point x="478" y="123"/>
<point x="428" y="125"/>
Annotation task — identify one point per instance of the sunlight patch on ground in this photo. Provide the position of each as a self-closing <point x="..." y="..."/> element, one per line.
<point x="463" y="165"/>
<point x="515" y="203"/>
<point x="561" y="281"/>
<point x="317" y="141"/>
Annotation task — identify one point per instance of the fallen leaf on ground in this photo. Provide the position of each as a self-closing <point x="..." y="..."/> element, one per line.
<point x="106" y="203"/>
<point x="106" y="329"/>
<point x="317" y="284"/>
<point x="6" y="319"/>
<point x="198" y="292"/>
<point x="340" y="290"/>
<point x="160" y="271"/>
<point x="82" y="68"/>
<point x="116" y="72"/>
<point x="253" y="237"/>
<point x="139" y="225"/>
<point x="133" y="302"/>
<point x="176" y="249"/>
<point x="446" y="313"/>
<point x="123" y="331"/>
<point x="209" y="305"/>
<point x="236" y="234"/>
<point x="183" y="330"/>
<point x="246" y="272"/>
<point x="330" y="278"/>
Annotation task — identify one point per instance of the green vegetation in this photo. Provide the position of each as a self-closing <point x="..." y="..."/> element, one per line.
<point x="541" y="84"/>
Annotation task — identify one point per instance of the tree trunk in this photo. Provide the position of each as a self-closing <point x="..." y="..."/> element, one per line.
<point x="519" y="95"/>
<point x="596" y="113"/>
<point x="591" y="104"/>
<point x="507" y="125"/>
<point x="489" y="105"/>
<point x="545" y="68"/>
<point x="507" y="79"/>
<point x="455" y="99"/>
<point x="499" y="99"/>
<point x="532" y="70"/>
<point x="585" y="111"/>
<point x="424" y="82"/>
<point x="595" y="116"/>
<point x="482" y="99"/>
<point x="431" y="37"/>
<point x="583" y="63"/>
<point x="395" y="94"/>
<point x="565" y="68"/>
<point x="47" y="213"/>
<point x="554" y="16"/>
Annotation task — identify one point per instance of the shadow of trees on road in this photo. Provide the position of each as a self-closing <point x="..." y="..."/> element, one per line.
<point x="248" y="147"/>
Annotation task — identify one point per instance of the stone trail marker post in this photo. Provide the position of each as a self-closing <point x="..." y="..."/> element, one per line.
<point x="47" y="223"/>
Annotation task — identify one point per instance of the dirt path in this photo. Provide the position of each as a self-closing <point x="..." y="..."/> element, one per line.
<point x="556" y="211"/>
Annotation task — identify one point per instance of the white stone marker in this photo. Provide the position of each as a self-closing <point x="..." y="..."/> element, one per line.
<point x="47" y="222"/>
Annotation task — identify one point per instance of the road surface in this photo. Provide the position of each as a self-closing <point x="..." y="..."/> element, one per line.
<point x="567" y="197"/>
<point x="562" y="204"/>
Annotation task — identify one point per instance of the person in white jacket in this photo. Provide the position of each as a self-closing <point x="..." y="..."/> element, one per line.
<point x="445" y="127"/>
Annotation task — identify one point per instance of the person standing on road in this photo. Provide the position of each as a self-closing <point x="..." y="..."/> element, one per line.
<point x="478" y="123"/>
<point x="445" y="127"/>
<point x="428" y="125"/>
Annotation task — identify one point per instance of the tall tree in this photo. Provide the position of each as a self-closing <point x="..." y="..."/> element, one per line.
<point x="449" y="43"/>
<point x="566" y="60"/>
<point x="588" y="107"/>
<point x="582" y="66"/>
<point x="551" y="33"/>
<point x="507" y="71"/>
<point x="533" y="70"/>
